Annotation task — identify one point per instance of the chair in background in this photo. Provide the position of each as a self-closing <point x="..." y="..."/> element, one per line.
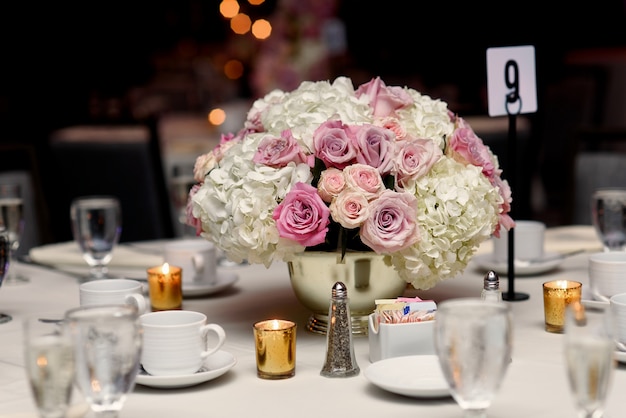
<point x="120" y="160"/>
<point x="20" y="165"/>
<point x="593" y="170"/>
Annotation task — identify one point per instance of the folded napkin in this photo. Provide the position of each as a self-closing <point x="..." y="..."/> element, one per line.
<point x="68" y="254"/>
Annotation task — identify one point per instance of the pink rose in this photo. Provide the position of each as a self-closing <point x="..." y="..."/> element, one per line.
<point x="334" y="145"/>
<point x="391" y="225"/>
<point x="350" y="208"/>
<point x="414" y="159"/>
<point x="192" y="220"/>
<point x="384" y="100"/>
<point x="302" y="216"/>
<point x="375" y="146"/>
<point x="278" y="152"/>
<point x="394" y="125"/>
<point x="468" y="148"/>
<point x="503" y="217"/>
<point x="364" y="178"/>
<point x="331" y="183"/>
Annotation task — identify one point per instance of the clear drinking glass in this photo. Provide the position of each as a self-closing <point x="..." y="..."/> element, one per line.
<point x="96" y="227"/>
<point x="49" y="362"/>
<point x="107" y="343"/>
<point x="5" y="257"/>
<point x="12" y="218"/>
<point x="180" y="186"/>
<point x="608" y="215"/>
<point x="473" y="340"/>
<point x="589" y="355"/>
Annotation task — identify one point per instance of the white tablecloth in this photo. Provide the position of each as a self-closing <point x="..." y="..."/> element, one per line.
<point x="535" y="384"/>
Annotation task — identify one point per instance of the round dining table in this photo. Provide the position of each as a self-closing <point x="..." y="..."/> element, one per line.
<point x="535" y="384"/>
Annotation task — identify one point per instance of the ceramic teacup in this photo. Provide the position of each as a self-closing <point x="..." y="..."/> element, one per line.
<point x="177" y="342"/>
<point x="113" y="291"/>
<point x="617" y="304"/>
<point x="196" y="257"/>
<point x="529" y="242"/>
<point x="607" y="274"/>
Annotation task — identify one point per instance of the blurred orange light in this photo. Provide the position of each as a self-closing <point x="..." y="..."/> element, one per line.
<point x="229" y="8"/>
<point x="240" y="24"/>
<point x="233" y="69"/>
<point x="217" y="116"/>
<point x="255" y="2"/>
<point x="261" y="29"/>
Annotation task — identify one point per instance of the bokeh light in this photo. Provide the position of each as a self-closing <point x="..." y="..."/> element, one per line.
<point x="240" y="24"/>
<point x="233" y="69"/>
<point x="229" y="8"/>
<point x="255" y="2"/>
<point x="261" y="29"/>
<point x="217" y="116"/>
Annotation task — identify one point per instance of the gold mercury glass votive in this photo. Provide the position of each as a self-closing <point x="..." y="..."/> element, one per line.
<point x="275" y="343"/>
<point x="165" y="287"/>
<point x="556" y="296"/>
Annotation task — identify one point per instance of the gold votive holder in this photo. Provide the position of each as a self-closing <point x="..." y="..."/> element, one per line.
<point x="557" y="295"/>
<point x="275" y="344"/>
<point x="165" y="287"/>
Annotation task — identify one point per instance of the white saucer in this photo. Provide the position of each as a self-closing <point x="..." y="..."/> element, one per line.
<point x="416" y="376"/>
<point x="224" y="279"/>
<point x="216" y="365"/>
<point x="487" y="262"/>
<point x="589" y="302"/>
<point x="620" y="356"/>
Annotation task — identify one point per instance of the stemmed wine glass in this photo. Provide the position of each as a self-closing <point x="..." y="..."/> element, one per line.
<point x="180" y="186"/>
<point x="12" y="218"/>
<point x="589" y="357"/>
<point x="49" y="363"/>
<point x="5" y="256"/>
<point x="608" y="215"/>
<point x="96" y="227"/>
<point x="473" y="340"/>
<point x="107" y="341"/>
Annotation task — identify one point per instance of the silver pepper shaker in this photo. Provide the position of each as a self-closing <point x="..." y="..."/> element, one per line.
<point x="340" y="360"/>
<point x="491" y="287"/>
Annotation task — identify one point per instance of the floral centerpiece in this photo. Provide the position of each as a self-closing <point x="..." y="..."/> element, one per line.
<point x="330" y="167"/>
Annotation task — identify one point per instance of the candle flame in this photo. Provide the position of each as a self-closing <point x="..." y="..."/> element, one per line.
<point x="562" y="284"/>
<point x="275" y="324"/>
<point x="165" y="269"/>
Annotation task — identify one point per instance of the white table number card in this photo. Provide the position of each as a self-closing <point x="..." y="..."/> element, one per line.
<point x="511" y="80"/>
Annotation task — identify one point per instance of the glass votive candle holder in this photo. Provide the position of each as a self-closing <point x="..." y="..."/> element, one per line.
<point x="275" y="346"/>
<point x="557" y="295"/>
<point x="165" y="287"/>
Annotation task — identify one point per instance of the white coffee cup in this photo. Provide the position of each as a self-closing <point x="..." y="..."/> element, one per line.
<point x="113" y="291"/>
<point x="607" y="274"/>
<point x="529" y="242"/>
<point x="617" y="304"/>
<point x="196" y="257"/>
<point x="177" y="342"/>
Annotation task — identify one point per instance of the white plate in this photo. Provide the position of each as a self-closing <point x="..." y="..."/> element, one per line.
<point x="589" y="302"/>
<point x="216" y="365"/>
<point x="620" y="356"/>
<point x="224" y="279"/>
<point x="417" y="376"/>
<point x="487" y="262"/>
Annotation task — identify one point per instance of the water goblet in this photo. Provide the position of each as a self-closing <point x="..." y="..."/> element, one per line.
<point x="180" y="186"/>
<point x="107" y="342"/>
<point x="12" y="218"/>
<point x="473" y="341"/>
<point x="96" y="227"/>
<point x="589" y="357"/>
<point x="608" y="216"/>
<point x="49" y="363"/>
<point x="5" y="257"/>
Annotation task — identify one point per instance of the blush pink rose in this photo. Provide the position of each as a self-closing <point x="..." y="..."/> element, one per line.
<point x="334" y="144"/>
<point x="391" y="225"/>
<point x="466" y="147"/>
<point x="364" y="178"/>
<point x="350" y="208"/>
<point x="376" y="146"/>
<point x="504" y="218"/>
<point x="331" y="183"/>
<point x="384" y="100"/>
<point x="278" y="152"/>
<point x="302" y="216"/>
<point x="414" y="159"/>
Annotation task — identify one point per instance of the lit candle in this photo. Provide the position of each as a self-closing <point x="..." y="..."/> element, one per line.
<point x="165" y="287"/>
<point x="275" y="343"/>
<point x="556" y="296"/>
